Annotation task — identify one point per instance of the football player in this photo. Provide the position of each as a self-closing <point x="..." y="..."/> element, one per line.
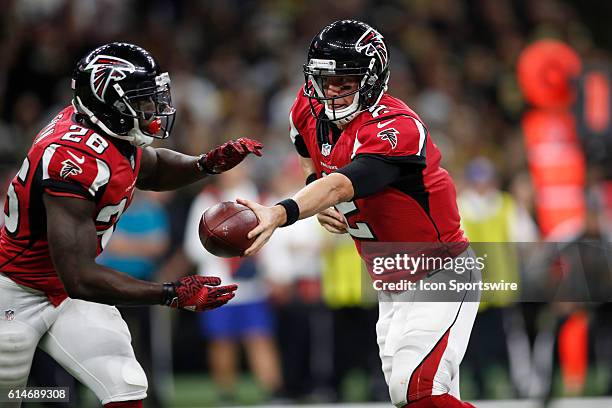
<point x="61" y="210"/>
<point x="371" y="157"/>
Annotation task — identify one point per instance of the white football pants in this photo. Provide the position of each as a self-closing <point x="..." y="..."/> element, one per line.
<point x="90" y="340"/>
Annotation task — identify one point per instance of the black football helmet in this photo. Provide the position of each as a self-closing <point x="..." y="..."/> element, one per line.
<point x="122" y="91"/>
<point x="346" y="48"/>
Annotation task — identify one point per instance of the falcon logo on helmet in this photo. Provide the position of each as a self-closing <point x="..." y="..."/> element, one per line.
<point x="390" y="135"/>
<point x="122" y="91"/>
<point x="105" y="69"/>
<point x="371" y="43"/>
<point x="346" y="48"/>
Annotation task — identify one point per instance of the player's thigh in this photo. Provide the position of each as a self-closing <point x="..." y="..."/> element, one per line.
<point x="25" y="316"/>
<point x="93" y="343"/>
<point x="427" y="353"/>
<point x="385" y="316"/>
<point x="458" y="340"/>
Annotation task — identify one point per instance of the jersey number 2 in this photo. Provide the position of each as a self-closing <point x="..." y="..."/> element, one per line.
<point x="361" y="230"/>
<point x="110" y="215"/>
<point x="11" y="219"/>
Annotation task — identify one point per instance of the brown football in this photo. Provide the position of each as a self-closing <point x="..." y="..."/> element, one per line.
<point x="224" y="228"/>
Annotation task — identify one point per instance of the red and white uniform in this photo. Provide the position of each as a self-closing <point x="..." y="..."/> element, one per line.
<point x="90" y="340"/>
<point x="420" y="208"/>
<point x="66" y="159"/>
<point x="421" y="344"/>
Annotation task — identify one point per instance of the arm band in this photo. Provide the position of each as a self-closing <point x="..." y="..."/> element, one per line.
<point x="291" y="209"/>
<point x="201" y="165"/>
<point x="168" y="294"/>
<point x="300" y="146"/>
<point x="312" y="177"/>
<point x="372" y="174"/>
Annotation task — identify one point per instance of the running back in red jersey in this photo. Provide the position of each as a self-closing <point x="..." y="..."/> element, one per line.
<point x="69" y="160"/>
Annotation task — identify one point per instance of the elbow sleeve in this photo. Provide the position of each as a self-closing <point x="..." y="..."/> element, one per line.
<point x="371" y="174"/>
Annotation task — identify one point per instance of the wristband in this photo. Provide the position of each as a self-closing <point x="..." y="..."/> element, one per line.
<point x="200" y="164"/>
<point x="291" y="209"/>
<point x="168" y="294"/>
<point x="312" y="177"/>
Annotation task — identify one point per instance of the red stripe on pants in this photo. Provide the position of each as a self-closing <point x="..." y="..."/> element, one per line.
<point x="439" y="401"/>
<point x="124" y="404"/>
<point x="421" y="380"/>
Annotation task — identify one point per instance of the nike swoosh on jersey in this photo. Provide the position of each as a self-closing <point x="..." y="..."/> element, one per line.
<point x="381" y="125"/>
<point x="80" y="160"/>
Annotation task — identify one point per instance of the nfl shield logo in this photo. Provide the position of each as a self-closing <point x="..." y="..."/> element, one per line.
<point x="9" y="314"/>
<point x="326" y="149"/>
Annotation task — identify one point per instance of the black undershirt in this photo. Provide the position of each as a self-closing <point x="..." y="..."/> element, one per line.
<point x="371" y="173"/>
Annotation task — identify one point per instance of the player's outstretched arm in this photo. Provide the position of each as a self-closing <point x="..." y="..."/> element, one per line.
<point x="312" y="199"/>
<point x="330" y="218"/>
<point x="363" y="177"/>
<point x="165" y="169"/>
<point x="73" y="245"/>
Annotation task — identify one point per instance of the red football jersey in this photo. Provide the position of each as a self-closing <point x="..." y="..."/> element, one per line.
<point x="419" y="208"/>
<point x="69" y="160"/>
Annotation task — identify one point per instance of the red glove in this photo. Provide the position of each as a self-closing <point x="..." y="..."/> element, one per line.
<point x="228" y="155"/>
<point x="197" y="293"/>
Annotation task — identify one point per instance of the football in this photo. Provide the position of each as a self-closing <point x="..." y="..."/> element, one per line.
<point x="224" y="228"/>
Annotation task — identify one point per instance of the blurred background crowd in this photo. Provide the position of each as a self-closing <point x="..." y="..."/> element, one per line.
<point x="300" y="327"/>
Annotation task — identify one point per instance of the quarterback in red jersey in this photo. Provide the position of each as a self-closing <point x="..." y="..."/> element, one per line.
<point x="382" y="174"/>
<point x="61" y="209"/>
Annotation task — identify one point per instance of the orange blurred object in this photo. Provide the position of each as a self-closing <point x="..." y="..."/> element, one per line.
<point x="554" y="153"/>
<point x="597" y="101"/>
<point x="573" y="352"/>
<point x="546" y="71"/>
<point x="558" y="171"/>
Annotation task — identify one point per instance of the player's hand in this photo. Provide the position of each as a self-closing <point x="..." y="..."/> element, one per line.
<point x="198" y="293"/>
<point x="270" y="218"/>
<point x="228" y="155"/>
<point x="332" y="220"/>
